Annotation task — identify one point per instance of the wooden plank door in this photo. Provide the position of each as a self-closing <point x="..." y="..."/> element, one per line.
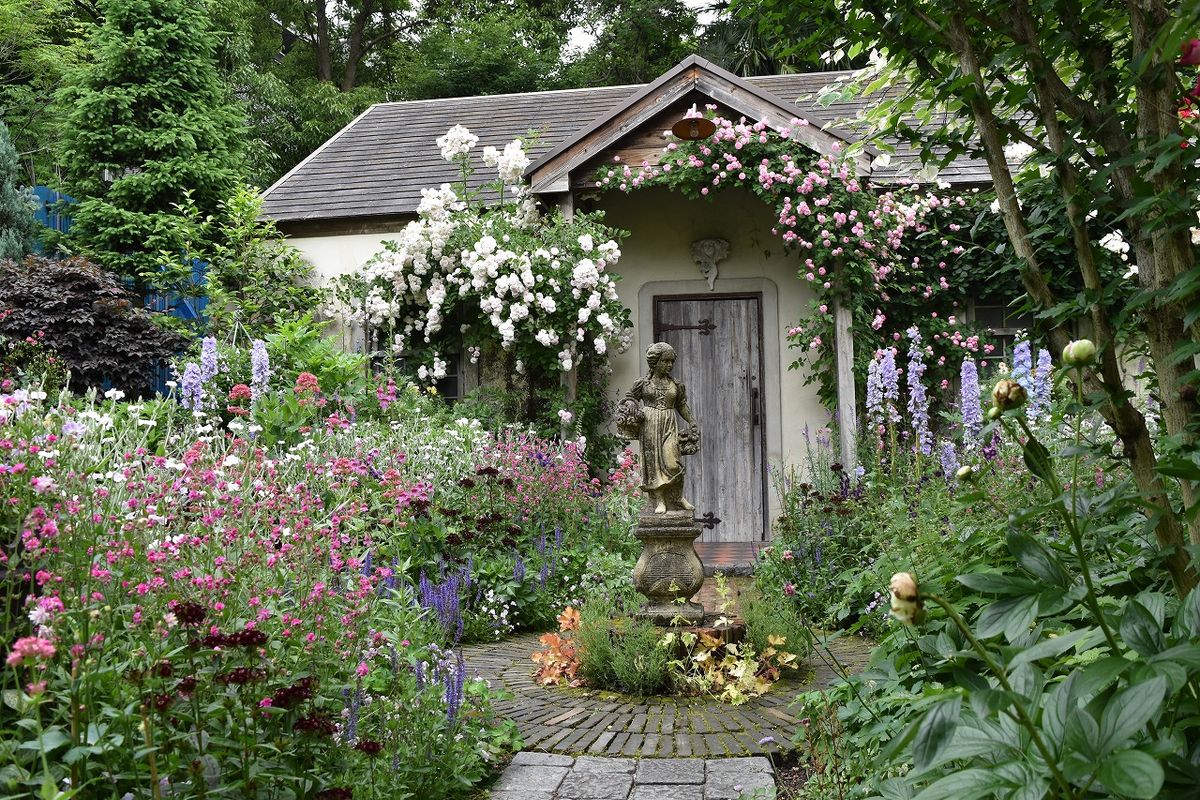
<point x="718" y="339"/>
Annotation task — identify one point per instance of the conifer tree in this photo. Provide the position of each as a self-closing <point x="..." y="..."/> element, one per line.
<point x="17" y="225"/>
<point x="151" y="122"/>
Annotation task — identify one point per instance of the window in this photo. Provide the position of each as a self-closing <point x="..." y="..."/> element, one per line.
<point x="1003" y="321"/>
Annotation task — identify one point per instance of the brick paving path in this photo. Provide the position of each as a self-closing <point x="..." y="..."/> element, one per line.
<point x="574" y="721"/>
<point x="549" y="776"/>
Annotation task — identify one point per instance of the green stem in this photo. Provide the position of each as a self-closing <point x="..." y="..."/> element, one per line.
<point x="1022" y="715"/>
<point x="1071" y="524"/>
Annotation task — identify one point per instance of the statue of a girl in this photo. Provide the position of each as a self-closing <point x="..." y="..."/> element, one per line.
<point x="648" y="413"/>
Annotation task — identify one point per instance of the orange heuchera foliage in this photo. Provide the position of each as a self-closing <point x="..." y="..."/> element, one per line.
<point x="559" y="662"/>
<point x="568" y="620"/>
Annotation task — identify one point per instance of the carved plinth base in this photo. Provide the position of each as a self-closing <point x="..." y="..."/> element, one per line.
<point x="669" y="572"/>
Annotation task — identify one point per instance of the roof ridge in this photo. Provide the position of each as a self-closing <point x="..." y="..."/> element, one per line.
<point x="461" y="98"/>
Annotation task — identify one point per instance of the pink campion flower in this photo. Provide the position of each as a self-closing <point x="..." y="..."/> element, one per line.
<point x="307" y="382"/>
<point x="789" y="589"/>
<point x="30" y="648"/>
<point x="362" y="669"/>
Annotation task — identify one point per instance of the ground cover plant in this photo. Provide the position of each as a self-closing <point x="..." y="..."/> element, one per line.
<point x="196" y="608"/>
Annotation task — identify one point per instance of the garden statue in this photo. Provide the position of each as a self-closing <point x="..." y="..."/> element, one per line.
<point x="648" y="413"/>
<point x="668" y="572"/>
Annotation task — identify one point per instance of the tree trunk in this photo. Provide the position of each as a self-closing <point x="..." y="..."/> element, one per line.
<point x="323" y="47"/>
<point x="1126" y="421"/>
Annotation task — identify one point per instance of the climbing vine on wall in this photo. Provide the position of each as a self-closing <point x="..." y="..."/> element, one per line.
<point x="891" y="256"/>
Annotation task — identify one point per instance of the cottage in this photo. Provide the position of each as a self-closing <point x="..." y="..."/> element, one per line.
<point x="707" y="276"/>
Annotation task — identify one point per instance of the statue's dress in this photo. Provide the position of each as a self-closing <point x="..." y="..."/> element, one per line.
<point x="661" y="464"/>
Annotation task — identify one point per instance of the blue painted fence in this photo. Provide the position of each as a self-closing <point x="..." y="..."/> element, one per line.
<point x="187" y="306"/>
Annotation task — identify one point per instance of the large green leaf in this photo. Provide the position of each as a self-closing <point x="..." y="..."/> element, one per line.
<point x="1128" y="712"/>
<point x="1012" y="615"/>
<point x="1049" y="648"/>
<point x="935" y="732"/>
<point x="1187" y="621"/>
<point x="997" y="583"/>
<point x="965" y="785"/>
<point x="1140" y="630"/>
<point x="1132" y="773"/>
<point x="1039" y="461"/>
<point x="1037" y="559"/>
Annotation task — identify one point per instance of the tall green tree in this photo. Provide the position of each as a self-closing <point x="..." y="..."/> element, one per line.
<point x="1093" y="92"/>
<point x="635" y="41"/>
<point x="151" y="121"/>
<point x="17" y="225"/>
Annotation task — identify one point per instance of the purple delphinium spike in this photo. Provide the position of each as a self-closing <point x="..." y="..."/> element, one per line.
<point x="192" y="388"/>
<point x="1022" y="366"/>
<point x="260" y="369"/>
<point x="918" y="400"/>
<point x="519" y="570"/>
<point x="972" y="411"/>
<point x="875" y="399"/>
<point x="210" y="363"/>
<point x="949" y="459"/>
<point x="1043" y="381"/>
<point x="889" y="379"/>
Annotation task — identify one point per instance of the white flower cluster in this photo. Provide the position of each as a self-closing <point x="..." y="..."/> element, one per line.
<point x="510" y="164"/>
<point x="498" y="265"/>
<point x="457" y="142"/>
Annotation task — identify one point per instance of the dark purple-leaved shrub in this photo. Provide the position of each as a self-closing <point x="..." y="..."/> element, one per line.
<point x="95" y="325"/>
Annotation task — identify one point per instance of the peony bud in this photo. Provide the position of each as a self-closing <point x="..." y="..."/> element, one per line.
<point x="1008" y="394"/>
<point x="1079" y="353"/>
<point x="965" y="472"/>
<point x="906" y="599"/>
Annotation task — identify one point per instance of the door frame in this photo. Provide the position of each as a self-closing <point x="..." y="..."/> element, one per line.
<point x="764" y="533"/>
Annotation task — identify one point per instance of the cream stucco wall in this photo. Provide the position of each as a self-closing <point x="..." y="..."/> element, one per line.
<point x="656" y="260"/>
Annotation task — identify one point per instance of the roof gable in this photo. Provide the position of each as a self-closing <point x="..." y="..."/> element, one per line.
<point x="370" y="174"/>
<point x="551" y="172"/>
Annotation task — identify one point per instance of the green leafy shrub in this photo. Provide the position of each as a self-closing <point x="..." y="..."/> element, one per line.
<point x="98" y="329"/>
<point x="595" y="645"/>
<point x="641" y="664"/>
<point x="773" y="622"/>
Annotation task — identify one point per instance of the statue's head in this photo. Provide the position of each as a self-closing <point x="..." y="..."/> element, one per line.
<point x="658" y="352"/>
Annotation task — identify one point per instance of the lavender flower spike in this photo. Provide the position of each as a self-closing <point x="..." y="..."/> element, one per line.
<point x="192" y="388"/>
<point x="875" y="399"/>
<point x="889" y="379"/>
<point x="260" y="369"/>
<point x="918" y="400"/>
<point x="972" y="411"/>
<point x="210" y="363"/>
<point x="1039" y="398"/>
<point x="949" y="459"/>
<point x="1022" y="366"/>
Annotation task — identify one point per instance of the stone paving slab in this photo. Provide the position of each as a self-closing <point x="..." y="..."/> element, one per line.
<point x="559" y="720"/>
<point x="587" y="778"/>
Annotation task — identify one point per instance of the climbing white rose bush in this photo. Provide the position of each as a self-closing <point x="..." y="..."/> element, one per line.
<point x="508" y="274"/>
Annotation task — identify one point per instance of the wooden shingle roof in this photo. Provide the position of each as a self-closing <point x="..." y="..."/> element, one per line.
<point x="376" y="166"/>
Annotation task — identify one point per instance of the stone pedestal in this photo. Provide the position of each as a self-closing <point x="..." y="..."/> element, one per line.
<point x="669" y="572"/>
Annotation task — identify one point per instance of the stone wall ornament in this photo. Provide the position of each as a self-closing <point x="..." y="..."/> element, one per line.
<point x="706" y="253"/>
<point x="668" y="572"/>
